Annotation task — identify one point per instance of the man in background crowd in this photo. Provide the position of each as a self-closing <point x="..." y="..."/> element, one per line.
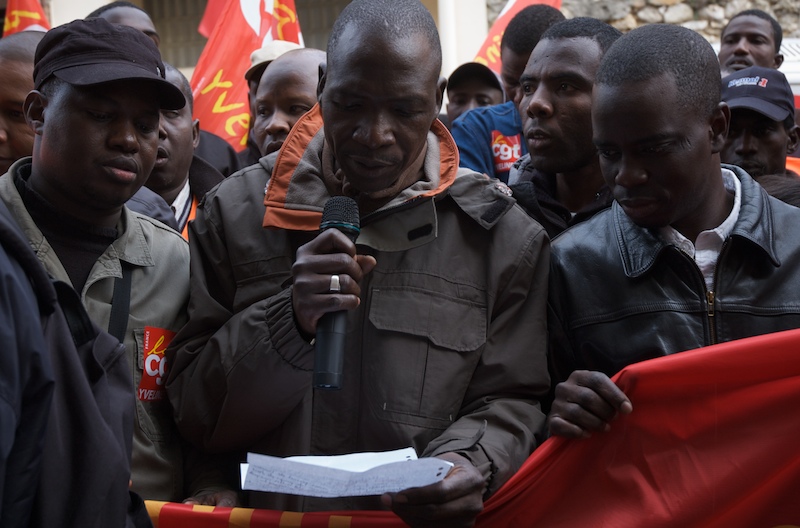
<point x="16" y="63"/>
<point x="751" y="38"/>
<point x="179" y="176"/>
<point x="762" y="131"/>
<point x="490" y="139"/>
<point x="259" y="60"/>
<point x="287" y="90"/>
<point x="471" y="85"/>
<point x="559" y="183"/>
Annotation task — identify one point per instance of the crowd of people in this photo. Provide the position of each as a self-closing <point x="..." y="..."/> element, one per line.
<point x="162" y="294"/>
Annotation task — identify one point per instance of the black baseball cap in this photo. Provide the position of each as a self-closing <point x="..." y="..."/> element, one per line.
<point x="764" y="90"/>
<point x="473" y="70"/>
<point x="94" y="51"/>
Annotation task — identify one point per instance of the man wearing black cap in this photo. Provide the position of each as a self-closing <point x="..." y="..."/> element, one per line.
<point x="95" y="115"/>
<point x="472" y="85"/>
<point x="762" y="130"/>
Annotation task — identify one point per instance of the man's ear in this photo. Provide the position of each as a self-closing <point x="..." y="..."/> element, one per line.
<point x="794" y="139"/>
<point x="195" y="133"/>
<point x="441" y="85"/>
<point x="33" y="107"/>
<point x="718" y="126"/>
<point x="778" y="60"/>
<point x="323" y="67"/>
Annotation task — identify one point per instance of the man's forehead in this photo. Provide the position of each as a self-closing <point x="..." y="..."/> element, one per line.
<point x="748" y="25"/>
<point x="565" y="59"/>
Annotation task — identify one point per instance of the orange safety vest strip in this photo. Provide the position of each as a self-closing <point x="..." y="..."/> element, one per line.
<point x="192" y="215"/>
<point x="793" y="164"/>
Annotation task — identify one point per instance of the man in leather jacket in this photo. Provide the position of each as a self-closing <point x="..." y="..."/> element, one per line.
<point x="691" y="253"/>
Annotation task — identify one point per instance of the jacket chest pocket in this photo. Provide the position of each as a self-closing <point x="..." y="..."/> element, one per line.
<point x="425" y="349"/>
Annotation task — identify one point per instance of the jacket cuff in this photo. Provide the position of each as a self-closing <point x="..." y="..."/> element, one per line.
<point x="469" y="448"/>
<point x="287" y="341"/>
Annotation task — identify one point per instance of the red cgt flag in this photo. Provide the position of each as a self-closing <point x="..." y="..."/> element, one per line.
<point x="23" y="15"/>
<point x="489" y="53"/>
<point x="218" y="84"/>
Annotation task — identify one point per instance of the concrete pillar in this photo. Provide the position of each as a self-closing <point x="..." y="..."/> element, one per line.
<point x="63" y="11"/>
<point x="462" y="30"/>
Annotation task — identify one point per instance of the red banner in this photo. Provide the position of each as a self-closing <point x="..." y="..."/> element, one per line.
<point x="713" y="442"/>
<point x="213" y="12"/>
<point x="22" y="15"/>
<point x="218" y="84"/>
<point x="489" y="53"/>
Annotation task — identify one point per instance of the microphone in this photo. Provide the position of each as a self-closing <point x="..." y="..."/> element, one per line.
<point x="340" y="213"/>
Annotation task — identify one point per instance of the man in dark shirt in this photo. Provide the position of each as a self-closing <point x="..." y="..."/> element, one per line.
<point x="490" y="138"/>
<point x="559" y="183"/>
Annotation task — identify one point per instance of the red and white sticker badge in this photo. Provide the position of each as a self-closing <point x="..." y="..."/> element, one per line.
<point x="154" y="375"/>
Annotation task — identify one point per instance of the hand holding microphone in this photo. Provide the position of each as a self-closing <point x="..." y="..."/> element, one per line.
<point x="340" y="213"/>
<point x="326" y="274"/>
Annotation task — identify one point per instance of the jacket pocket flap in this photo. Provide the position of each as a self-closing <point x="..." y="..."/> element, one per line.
<point x="446" y="321"/>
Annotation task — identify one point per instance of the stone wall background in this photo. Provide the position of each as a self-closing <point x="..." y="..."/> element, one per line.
<point x="704" y="16"/>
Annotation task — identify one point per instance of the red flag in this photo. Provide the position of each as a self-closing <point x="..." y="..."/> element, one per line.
<point x="489" y="53"/>
<point x="218" y="84"/>
<point x="22" y="15"/>
<point x="213" y="12"/>
<point x="712" y="443"/>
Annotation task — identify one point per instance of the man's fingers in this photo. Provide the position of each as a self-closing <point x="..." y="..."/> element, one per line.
<point x="454" y="501"/>
<point x="586" y="402"/>
<point x="367" y="263"/>
<point x="559" y="426"/>
<point x="605" y="388"/>
<point x="329" y="241"/>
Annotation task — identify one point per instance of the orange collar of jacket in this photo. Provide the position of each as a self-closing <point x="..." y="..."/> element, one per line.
<point x="282" y="214"/>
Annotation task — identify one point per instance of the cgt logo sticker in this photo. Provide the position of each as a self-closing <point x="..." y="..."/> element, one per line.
<point x="506" y="150"/>
<point x="154" y="374"/>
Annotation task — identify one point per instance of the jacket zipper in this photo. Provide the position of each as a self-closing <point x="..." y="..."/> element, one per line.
<point x="711" y="323"/>
<point x="711" y="296"/>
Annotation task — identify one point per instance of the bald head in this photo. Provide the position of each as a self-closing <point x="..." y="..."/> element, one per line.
<point x="20" y="47"/>
<point x="16" y="63"/>
<point x="286" y="91"/>
<point x="177" y="78"/>
<point x="128" y="14"/>
<point x="392" y="20"/>
<point x="306" y="60"/>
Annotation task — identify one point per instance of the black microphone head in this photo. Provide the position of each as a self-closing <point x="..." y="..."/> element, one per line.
<point x="341" y="212"/>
